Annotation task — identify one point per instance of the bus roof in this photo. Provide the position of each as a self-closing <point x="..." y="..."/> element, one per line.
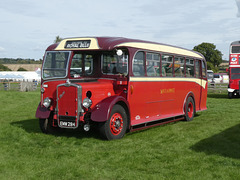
<point x="235" y="43"/>
<point x="108" y="43"/>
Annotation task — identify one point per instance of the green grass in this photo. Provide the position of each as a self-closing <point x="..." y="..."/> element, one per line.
<point x="206" y="148"/>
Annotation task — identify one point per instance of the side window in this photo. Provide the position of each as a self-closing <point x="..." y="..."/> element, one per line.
<point x="76" y="66"/>
<point x="138" y="64"/>
<point x="88" y="64"/>
<point x="115" y="65"/>
<point x="189" y="67"/>
<point x="152" y="64"/>
<point x="167" y="65"/>
<point x="197" y="69"/>
<point x="204" y="69"/>
<point x="179" y="66"/>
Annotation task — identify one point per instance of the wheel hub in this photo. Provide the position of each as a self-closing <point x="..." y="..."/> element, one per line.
<point x="116" y="124"/>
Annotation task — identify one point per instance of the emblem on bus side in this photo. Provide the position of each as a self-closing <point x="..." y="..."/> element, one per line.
<point x="137" y="117"/>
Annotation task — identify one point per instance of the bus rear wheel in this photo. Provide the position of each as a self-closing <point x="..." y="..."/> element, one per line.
<point x="115" y="127"/>
<point x="189" y="109"/>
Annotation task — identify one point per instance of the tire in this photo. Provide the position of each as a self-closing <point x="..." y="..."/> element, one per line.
<point x="47" y="128"/>
<point x="115" y="127"/>
<point x="189" y="109"/>
<point x="230" y="95"/>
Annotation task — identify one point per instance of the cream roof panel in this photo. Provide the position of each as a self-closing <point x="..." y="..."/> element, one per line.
<point x="93" y="45"/>
<point x="162" y="48"/>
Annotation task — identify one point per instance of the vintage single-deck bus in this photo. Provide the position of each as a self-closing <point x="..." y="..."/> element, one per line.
<point x="119" y="85"/>
<point x="234" y="69"/>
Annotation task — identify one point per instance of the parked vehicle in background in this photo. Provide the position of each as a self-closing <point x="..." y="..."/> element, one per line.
<point x="221" y="78"/>
<point x="225" y="78"/>
<point x="217" y="78"/>
<point x="234" y="69"/>
<point x="210" y="76"/>
<point x="119" y="85"/>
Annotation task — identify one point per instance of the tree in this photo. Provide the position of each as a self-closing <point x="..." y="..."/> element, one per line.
<point x="212" y="55"/>
<point x="21" y="69"/>
<point x="4" y="68"/>
<point x="58" y="39"/>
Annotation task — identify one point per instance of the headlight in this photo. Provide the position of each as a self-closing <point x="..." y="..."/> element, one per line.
<point x="47" y="102"/>
<point x="87" y="103"/>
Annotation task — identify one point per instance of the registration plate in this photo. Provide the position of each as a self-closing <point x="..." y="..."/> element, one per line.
<point x="67" y="124"/>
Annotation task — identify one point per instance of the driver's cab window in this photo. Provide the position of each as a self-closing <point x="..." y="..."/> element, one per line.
<point x="82" y="65"/>
<point x="113" y="64"/>
<point x="88" y="65"/>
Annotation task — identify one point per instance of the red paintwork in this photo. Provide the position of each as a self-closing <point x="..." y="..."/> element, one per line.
<point x="67" y="101"/>
<point x="149" y="104"/>
<point x="233" y="63"/>
<point x="143" y="101"/>
<point x="101" y="111"/>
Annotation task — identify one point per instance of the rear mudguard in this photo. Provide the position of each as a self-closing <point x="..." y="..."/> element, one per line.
<point x="42" y="112"/>
<point x="102" y="110"/>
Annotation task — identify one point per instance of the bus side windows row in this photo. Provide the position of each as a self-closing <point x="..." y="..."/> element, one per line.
<point x="189" y="67"/>
<point x="157" y="65"/>
<point x="138" y="64"/>
<point x="152" y="64"/>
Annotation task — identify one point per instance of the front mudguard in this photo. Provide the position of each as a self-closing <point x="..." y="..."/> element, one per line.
<point x="42" y="112"/>
<point x="102" y="110"/>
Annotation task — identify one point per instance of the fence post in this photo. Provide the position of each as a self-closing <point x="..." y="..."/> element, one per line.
<point x="5" y="84"/>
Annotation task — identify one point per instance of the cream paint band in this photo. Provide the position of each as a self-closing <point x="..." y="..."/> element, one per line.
<point x="161" y="48"/>
<point x="201" y="82"/>
<point x="93" y="44"/>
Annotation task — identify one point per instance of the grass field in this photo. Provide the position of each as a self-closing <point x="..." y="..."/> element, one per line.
<point x="206" y="148"/>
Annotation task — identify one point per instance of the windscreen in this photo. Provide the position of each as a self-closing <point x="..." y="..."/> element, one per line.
<point x="235" y="73"/>
<point x="235" y="49"/>
<point x="55" y="64"/>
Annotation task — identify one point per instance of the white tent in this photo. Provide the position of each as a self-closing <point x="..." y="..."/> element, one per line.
<point x="21" y="75"/>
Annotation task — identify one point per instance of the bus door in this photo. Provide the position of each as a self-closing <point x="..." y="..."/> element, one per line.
<point x="203" y="92"/>
<point x="146" y="98"/>
<point x="199" y="83"/>
<point x="137" y="89"/>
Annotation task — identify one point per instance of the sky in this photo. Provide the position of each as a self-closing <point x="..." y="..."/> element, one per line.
<point x="28" y="27"/>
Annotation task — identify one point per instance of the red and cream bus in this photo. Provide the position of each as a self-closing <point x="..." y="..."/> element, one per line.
<point x="234" y="69"/>
<point x="119" y="85"/>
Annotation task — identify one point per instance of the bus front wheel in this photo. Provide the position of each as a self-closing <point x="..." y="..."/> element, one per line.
<point x="115" y="127"/>
<point x="189" y="109"/>
<point x="47" y="128"/>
